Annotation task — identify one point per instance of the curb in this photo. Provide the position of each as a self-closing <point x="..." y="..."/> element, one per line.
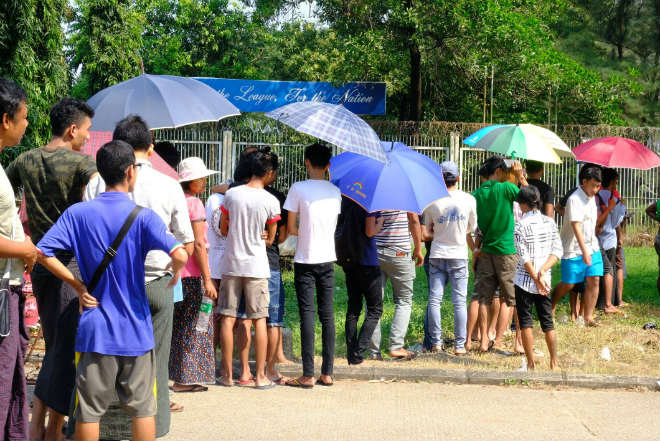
<point x="490" y="378"/>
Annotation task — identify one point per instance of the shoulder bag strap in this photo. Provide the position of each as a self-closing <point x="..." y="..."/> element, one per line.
<point x="111" y="252"/>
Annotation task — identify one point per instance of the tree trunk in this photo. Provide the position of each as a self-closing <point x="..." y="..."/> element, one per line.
<point x="415" y="88"/>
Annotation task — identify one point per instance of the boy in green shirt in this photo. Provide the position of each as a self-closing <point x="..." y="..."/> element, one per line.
<point x="497" y="257"/>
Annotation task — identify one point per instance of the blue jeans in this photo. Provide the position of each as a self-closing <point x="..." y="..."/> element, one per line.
<point x="276" y="305"/>
<point x="442" y="271"/>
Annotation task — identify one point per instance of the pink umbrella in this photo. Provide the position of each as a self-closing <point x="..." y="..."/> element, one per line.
<point x="616" y="152"/>
<point x="97" y="139"/>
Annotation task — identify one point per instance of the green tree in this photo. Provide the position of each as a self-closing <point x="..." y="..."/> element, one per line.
<point x="105" y="43"/>
<point x="31" y="53"/>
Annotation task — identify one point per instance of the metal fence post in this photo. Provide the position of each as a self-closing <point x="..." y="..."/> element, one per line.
<point x="225" y="165"/>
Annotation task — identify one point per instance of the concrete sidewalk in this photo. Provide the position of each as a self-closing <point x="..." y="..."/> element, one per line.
<point x="415" y="411"/>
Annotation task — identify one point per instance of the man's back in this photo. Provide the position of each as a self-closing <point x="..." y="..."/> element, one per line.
<point x="121" y="324"/>
<point x="317" y="203"/>
<point x="495" y="216"/>
<point x="249" y="210"/>
<point x="452" y="218"/>
<point x="164" y="196"/>
<point x="53" y="180"/>
<point x="395" y="232"/>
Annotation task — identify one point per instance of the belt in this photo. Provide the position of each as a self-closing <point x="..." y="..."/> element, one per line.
<point x="389" y="252"/>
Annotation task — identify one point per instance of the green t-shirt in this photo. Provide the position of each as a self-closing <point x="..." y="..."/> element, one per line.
<point x="657" y="209"/>
<point x="52" y="182"/>
<point x="495" y="216"/>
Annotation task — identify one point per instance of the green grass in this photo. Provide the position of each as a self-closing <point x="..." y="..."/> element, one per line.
<point x="639" y="289"/>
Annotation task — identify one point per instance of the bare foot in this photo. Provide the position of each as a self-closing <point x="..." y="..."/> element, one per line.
<point x="612" y="310"/>
<point x="623" y="304"/>
<point x="284" y="360"/>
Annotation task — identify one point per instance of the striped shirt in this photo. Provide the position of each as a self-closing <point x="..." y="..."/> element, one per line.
<point x="536" y="237"/>
<point x="395" y="233"/>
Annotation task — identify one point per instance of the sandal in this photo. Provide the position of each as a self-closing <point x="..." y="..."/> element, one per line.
<point x="175" y="407"/>
<point x="270" y="385"/>
<point x="320" y="382"/>
<point x="190" y="388"/>
<point x="294" y="382"/>
<point x="280" y="380"/>
<point x="245" y="383"/>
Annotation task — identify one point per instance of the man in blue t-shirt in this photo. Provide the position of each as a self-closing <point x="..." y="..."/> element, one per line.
<point x="114" y="342"/>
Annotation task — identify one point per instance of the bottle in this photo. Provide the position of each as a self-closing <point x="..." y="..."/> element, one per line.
<point x="203" y="319"/>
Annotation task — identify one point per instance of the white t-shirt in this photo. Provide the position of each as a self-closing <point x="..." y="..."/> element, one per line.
<point x="217" y="241"/>
<point x="249" y="210"/>
<point x="579" y="208"/>
<point x="451" y="218"/>
<point x="317" y="204"/>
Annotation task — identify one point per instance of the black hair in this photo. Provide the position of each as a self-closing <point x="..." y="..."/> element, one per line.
<point x="534" y="166"/>
<point x="243" y="170"/>
<point x="135" y="131"/>
<point x="609" y="175"/>
<point x="11" y="97"/>
<point x="168" y="152"/>
<point x="530" y="196"/>
<point x="261" y="163"/>
<point x="318" y="155"/>
<point x="591" y="172"/>
<point x="450" y="179"/>
<point x="66" y="112"/>
<point x="112" y="160"/>
<point x="185" y="185"/>
<point x="490" y="165"/>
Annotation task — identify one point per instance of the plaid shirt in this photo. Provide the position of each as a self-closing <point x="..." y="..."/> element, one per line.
<point x="536" y="237"/>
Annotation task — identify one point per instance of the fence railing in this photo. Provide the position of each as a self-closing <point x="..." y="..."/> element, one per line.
<point x="220" y="144"/>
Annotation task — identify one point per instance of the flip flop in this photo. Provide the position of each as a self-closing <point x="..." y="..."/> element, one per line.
<point x="281" y="380"/>
<point x="191" y="388"/>
<point x="270" y="385"/>
<point x="294" y="382"/>
<point x="175" y="407"/>
<point x="245" y="383"/>
<point x="320" y="382"/>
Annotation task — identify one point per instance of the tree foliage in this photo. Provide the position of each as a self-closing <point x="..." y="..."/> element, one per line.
<point x="31" y="42"/>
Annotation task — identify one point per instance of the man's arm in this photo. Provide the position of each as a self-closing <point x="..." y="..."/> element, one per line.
<point x="60" y="271"/>
<point x="292" y="223"/>
<point x="520" y="175"/>
<point x="416" y="231"/>
<point x="271" y="231"/>
<point x="549" y="210"/>
<point x="20" y="250"/>
<point x="577" y="230"/>
<point x="179" y="259"/>
<point x="605" y="211"/>
<point x="373" y="225"/>
<point x="220" y="188"/>
<point x="224" y="223"/>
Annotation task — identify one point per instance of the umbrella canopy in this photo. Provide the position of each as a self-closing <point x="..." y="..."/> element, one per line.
<point x="408" y="181"/>
<point x="617" y="152"/>
<point x="332" y="123"/>
<point x="522" y="141"/>
<point x="97" y="139"/>
<point x="163" y="101"/>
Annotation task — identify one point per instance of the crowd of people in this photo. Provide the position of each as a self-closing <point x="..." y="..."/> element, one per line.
<point x="128" y="261"/>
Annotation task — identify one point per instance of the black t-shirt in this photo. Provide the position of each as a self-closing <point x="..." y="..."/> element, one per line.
<point x="273" y="251"/>
<point x="547" y="192"/>
<point x="564" y="199"/>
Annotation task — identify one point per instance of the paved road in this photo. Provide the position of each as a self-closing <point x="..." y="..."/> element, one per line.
<point x="356" y="410"/>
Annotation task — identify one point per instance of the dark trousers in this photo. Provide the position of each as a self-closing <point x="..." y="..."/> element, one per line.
<point x="362" y="282"/>
<point x="307" y="277"/>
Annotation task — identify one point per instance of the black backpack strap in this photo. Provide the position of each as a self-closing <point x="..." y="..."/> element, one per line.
<point x="111" y="252"/>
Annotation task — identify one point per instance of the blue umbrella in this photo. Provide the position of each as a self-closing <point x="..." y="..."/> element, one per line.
<point x="332" y="123"/>
<point x="163" y="101"/>
<point x="408" y="181"/>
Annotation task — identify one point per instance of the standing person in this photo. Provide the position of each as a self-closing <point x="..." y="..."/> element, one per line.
<point x="582" y="261"/>
<point x="449" y="222"/>
<point x="217" y="243"/>
<point x="317" y="203"/>
<point x="276" y="306"/>
<point x="114" y="341"/>
<point x="539" y="248"/>
<point x="246" y="210"/>
<point x="53" y="178"/>
<point x="357" y="254"/>
<point x="15" y="250"/>
<point x="497" y="256"/>
<point x="397" y="262"/>
<point x="165" y="197"/>
<point x="192" y="357"/>
<point x="610" y="215"/>
<point x="653" y="211"/>
<point x="534" y="171"/>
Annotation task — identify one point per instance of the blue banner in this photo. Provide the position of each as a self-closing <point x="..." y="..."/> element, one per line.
<point x="264" y="96"/>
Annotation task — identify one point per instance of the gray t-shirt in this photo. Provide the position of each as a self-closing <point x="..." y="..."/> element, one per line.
<point x="10" y="228"/>
<point x="249" y="210"/>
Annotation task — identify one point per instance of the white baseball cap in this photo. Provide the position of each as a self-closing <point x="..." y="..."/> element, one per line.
<point x="193" y="168"/>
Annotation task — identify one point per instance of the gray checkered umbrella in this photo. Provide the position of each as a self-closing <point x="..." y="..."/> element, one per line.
<point x="332" y="123"/>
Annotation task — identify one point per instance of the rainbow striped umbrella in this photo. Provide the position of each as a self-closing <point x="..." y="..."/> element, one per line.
<point x="521" y="141"/>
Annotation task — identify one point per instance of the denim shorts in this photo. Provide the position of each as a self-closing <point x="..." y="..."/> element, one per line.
<point x="277" y="295"/>
<point x="574" y="270"/>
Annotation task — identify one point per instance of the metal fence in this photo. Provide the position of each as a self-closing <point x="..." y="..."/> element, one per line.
<point x="220" y="144"/>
